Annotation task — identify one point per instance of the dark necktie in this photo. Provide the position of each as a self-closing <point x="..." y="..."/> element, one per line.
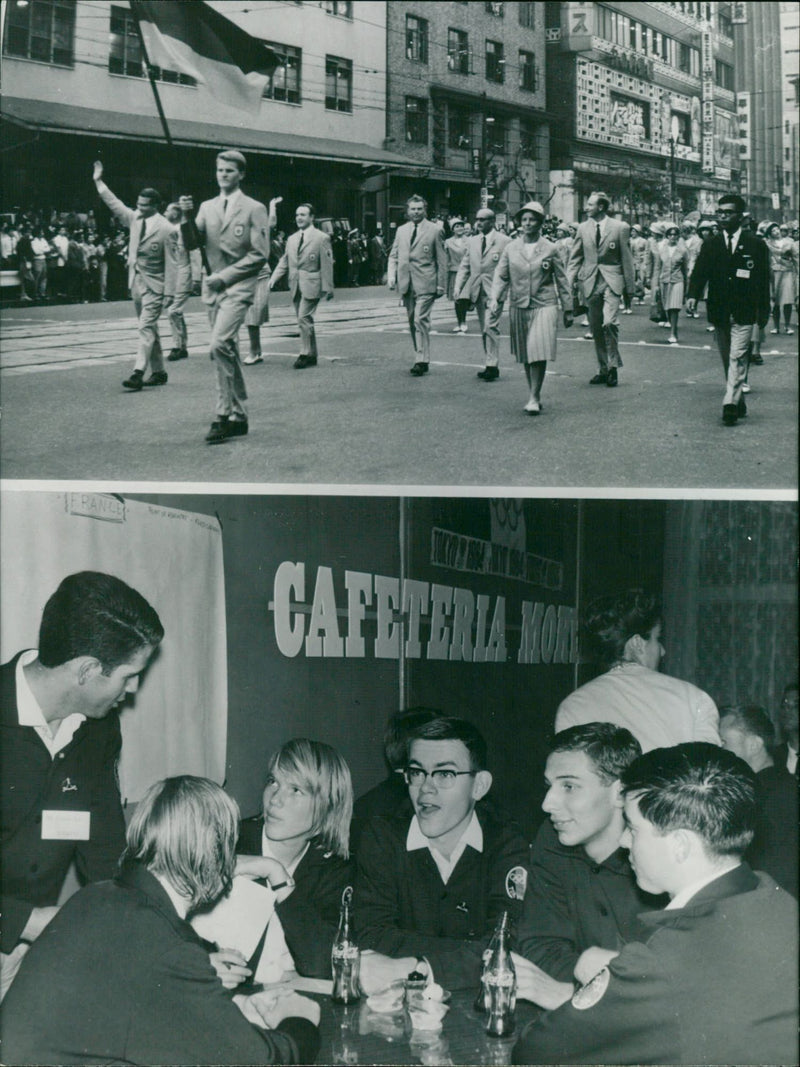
<point x="224" y="205"/>
<point x="483" y="245"/>
<point x="413" y="236"/>
<point x="300" y="242"/>
<point x="142" y="231"/>
<point x="597" y="234"/>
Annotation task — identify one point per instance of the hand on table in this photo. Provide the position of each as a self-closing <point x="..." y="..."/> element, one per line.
<point x="378" y="972"/>
<point x="534" y="985"/>
<point x="591" y="962"/>
<point x="231" y="967"/>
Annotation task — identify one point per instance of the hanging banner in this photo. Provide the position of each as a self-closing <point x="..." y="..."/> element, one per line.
<point x="707" y="81"/>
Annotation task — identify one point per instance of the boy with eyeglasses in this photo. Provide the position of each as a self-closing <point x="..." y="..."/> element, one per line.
<point x="430" y="891"/>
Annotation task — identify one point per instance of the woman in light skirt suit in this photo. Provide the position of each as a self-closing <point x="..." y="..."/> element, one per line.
<point x="456" y="246"/>
<point x="670" y="274"/>
<point x="532" y="269"/>
<point x="258" y="312"/>
<point x="782" y="269"/>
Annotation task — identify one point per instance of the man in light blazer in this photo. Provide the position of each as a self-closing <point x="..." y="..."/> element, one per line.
<point x="309" y="260"/>
<point x="177" y="285"/>
<point x="602" y="262"/>
<point x="234" y="231"/>
<point x="149" y="233"/>
<point x="474" y="283"/>
<point x="418" y="270"/>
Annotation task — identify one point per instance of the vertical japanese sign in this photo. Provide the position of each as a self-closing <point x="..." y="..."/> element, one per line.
<point x="707" y="78"/>
<point x="577" y="27"/>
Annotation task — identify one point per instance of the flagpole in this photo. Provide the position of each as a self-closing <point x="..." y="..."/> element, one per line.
<point x="164" y="126"/>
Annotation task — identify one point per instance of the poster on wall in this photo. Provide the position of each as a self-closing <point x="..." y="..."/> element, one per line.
<point x="177" y="721"/>
<point x="726" y="143"/>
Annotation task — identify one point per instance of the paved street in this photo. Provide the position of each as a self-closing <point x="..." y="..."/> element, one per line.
<point x="360" y="419"/>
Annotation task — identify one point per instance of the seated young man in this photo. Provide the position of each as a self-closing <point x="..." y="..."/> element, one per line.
<point x="430" y="889"/>
<point x="714" y="977"/>
<point x="748" y="731"/>
<point x="582" y="901"/>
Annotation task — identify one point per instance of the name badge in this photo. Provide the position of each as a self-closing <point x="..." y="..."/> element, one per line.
<point x="742" y="273"/>
<point x="65" y="825"/>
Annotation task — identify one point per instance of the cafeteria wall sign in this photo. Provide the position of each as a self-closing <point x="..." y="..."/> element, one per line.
<point x="424" y="620"/>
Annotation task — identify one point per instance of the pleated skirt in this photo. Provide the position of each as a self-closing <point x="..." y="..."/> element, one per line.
<point x="451" y="284"/>
<point x="783" y="287"/>
<point x="672" y="296"/>
<point x="533" y="333"/>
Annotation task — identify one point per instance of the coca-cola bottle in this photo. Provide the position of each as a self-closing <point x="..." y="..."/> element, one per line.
<point x="345" y="956"/>
<point x="500" y="981"/>
<point x="482" y="999"/>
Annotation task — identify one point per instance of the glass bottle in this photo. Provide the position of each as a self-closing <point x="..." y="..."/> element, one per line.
<point x="345" y="956"/>
<point x="501" y="984"/>
<point x="482" y="999"/>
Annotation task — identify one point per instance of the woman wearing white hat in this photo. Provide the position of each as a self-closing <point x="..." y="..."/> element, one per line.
<point x="782" y="271"/>
<point x="532" y="269"/>
<point x="670" y="275"/>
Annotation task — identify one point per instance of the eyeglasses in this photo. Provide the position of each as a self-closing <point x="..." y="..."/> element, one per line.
<point x="724" y="213"/>
<point x="442" y="777"/>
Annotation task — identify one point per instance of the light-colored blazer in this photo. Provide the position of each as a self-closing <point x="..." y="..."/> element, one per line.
<point x="612" y="259"/>
<point x="310" y="273"/>
<point x="236" y="241"/>
<point x="455" y="248"/>
<point x="532" y="282"/>
<point x="477" y="271"/>
<point x="424" y="266"/>
<point x="145" y="258"/>
<point x="671" y="264"/>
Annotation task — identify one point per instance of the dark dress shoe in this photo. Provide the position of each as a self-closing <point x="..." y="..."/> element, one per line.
<point x="489" y="374"/>
<point x="599" y="379"/>
<point x="730" y="414"/>
<point x="135" y="382"/>
<point x="158" y="377"/>
<point x="611" y="377"/>
<point x="305" y="361"/>
<point x="419" y="369"/>
<point x="223" y="428"/>
<point x="741" y="408"/>
<point x="757" y="360"/>
<point x="177" y="353"/>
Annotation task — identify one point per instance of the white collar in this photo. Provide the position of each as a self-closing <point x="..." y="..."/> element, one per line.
<point x="473" y="835"/>
<point x="266" y="850"/>
<point x="680" y="900"/>
<point x="30" y="712"/>
<point x="229" y="201"/>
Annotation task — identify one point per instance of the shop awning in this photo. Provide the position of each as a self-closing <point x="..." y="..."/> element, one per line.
<point x="95" y="122"/>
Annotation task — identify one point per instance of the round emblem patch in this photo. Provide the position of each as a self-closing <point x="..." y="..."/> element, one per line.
<point x="749" y="264"/>
<point x="495" y="257"/>
<point x="426" y="248"/>
<point x="238" y="231"/>
<point x="545" y="264"/>
<point x="612" y="244"/>
<point x="591" y="993"/>
<point x="516" y="883"/>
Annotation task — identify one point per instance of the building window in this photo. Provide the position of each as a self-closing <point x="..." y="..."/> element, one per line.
<point x="495" y="63"/>
<point x="459" y="128"/>
<point x="495" y="9"/>
<point x="125" y="51"/>
<point x="723" y="74"/>
<point x="724" y="25"/>
<point x="528" y="74"/>
<point x="285" y="81"/>
<point x="458" y="55"/>
<point x="43" y="30"/>
<point x="416" y="120"/>
<point x="342" y="8"/>
<point x="496" y="134"/>
<point x="338" y="84"/>
<point x="527" y="140"/>
<point x="527" y="15"/>
<point x="416" y="39"/>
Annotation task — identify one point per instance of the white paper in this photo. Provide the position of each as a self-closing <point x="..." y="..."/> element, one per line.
<point x="66" y="825"/>
<point x="238" y="920"/>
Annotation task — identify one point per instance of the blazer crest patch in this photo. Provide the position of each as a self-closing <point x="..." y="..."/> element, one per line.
<point x="238" y="231"/>
<point x="516" y="883"/>
<point x="593" y="992"/>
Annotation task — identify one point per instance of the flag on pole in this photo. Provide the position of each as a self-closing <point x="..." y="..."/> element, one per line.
<point x="193" y="38"/>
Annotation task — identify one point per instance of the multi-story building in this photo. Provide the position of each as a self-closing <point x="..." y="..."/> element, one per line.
<point x="75" y="89"/>
<point x="644" y="107"/>
<point x="790" y="86"/>
<point x="757" y="32"/>
<point x="466" y="98"/>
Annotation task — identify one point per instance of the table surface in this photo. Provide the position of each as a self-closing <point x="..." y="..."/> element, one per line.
<point x="354" y="1034"/>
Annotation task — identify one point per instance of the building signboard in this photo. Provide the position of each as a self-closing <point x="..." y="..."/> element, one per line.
<point x="739" y="13"/>
<point x="577" y="27"/>
<point x="726" y="143"/>
<point x="743" y="112"/>
<point x="707" y="81"/>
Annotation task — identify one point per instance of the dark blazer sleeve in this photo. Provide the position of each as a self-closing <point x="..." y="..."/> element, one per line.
<point x="97" y="858"/>
<point x="702" y="271"/>
<point x="310" y="915"/>
<point x="547" y="934"/>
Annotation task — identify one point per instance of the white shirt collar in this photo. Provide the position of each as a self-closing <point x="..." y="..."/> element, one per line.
<point x="680" y="900"/>
<point x="31" y="714"/>
<point x="230" y="201"/>
<point x="472" y="835"/>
